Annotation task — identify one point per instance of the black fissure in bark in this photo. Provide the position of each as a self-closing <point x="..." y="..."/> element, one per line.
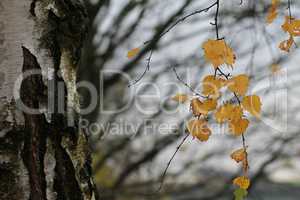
<point x="35" y="132"/>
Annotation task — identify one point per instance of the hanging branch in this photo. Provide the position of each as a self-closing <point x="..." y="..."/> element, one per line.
<point x="180" y="20"/>
<point x="217" y="4"/>
<point x="246" y="164"/>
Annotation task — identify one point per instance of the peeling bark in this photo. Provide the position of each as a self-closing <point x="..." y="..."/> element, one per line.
<point x="42" y="155"/>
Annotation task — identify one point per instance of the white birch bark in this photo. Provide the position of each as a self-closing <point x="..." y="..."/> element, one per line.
<point x="41" y="155"/>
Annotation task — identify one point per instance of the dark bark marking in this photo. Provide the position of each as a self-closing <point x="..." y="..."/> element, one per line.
<point x="11" y="145"/>
<point x="2" y="79"/>
<point x="32" y="8"/>
<point x="65" y="183"/>
<point x="35" y="134"/>
<point x="66" y="32"/>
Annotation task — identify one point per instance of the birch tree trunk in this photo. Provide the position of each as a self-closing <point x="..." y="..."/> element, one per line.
<point x="43" y="154"/>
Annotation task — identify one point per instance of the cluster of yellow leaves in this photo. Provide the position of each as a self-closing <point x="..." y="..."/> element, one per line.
<point x="218" y="53"/>
<point x="234" y="114"/>
<point x="215" y="51"/>
<point x="238" y="84"/>
<point x="228" y="112"/>
<point x="272" y="13"/>
<point x="290" y="26"/>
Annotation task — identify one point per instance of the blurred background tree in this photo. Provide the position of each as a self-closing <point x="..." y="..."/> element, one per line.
<point x="131" y="149"/>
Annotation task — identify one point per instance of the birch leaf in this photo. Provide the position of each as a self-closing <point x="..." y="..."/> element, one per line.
<point x="212" y="85"/>
<point x="238" y="127"/>
<point x="203" y="108"/>
<point x="199" y="129"/>
<point x="181" y="98"/>
<point x="223" y="113"/>
<point x="236" y="113"/>
<point x="286" y="44"/>
<point x="252" y="104"/>
<point x="133" y="52"/>
<point x="218" y="53"/>
<point x="239" y="84"/>
<point x="291" y="26"/>
<point x="239" y="155"/>
<point x="272" y="12"/>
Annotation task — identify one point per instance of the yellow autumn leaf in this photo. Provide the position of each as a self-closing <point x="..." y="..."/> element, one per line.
<point x="204" y="107"/>
<point x="286" y="44"/>
<point x="223" y="113"/>
<point x="133" y="52"/>
<point x="238" y="127"/>
<point x="242" y="181"/>
<point x="211" y="86"/>
<point x="291" y="26"/>
<point x="236" y="113"/>
<point x="199" y="129"/>
<point x="252" y="104"/>
<point x="218" y="53"/>
<point x="209" y="105"/>
<point x="196" y="107"/>
<point x="181" y="98"/>
<point x="239" y="84"/>
<point x="239" y="155"/>
<point x="272" y="12"/>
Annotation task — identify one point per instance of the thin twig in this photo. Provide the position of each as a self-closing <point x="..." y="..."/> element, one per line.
<point x="187" y="85"/>
<point x="246" y="167"/>
<point x="180" y="20"/>
<point x="145" y="71"/>
<point x="243" y="136"/>
<point x="169" y="163"/>
<point x="227" y="78"/>
<point x="290" y="12"/>
<point x="216" y="19"/>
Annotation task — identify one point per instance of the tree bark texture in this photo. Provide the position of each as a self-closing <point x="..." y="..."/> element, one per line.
<point x="42" y="155"/>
